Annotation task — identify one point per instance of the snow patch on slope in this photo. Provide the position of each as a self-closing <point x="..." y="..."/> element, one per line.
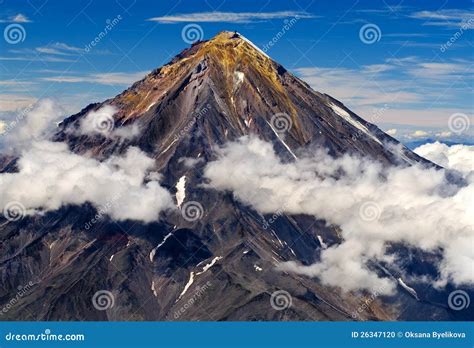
<point x="188" y="284"/>
<point x="153" y="288"/>
<point x="323" y="245"/>
<point x="209" y="265"/>
<point x="346" y="116"/>
<point x="153" y="251"/>
<point x="180" y="191"/>
<point x="281" y="140"/>
<point x="253" y="45"/>
<point x="410" y="290"/>
<point x="192" y="275"/>
<point x="238" y="78"/>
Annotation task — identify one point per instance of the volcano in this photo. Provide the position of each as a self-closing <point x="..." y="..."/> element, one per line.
<point x="217" y="263"/>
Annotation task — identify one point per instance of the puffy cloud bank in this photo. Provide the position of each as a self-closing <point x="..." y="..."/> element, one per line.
<point x="32" y="124"/>
<point x="50" y="176"/>
<point x="102" y="122"/>
<point x="457" y="157"/>
<point x="373" y="205"/>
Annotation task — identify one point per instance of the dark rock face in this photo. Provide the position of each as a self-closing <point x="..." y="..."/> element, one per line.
<point x="221" y="266"/>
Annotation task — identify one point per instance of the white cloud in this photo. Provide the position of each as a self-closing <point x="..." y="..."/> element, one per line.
<point x="441" y="72"/>
<point x="444" y="134"/>
<point x="50" y="176"/>
<point x="357" y="87"/>
<point x="190" y="162"/>
<point x="14" y="83"/>
<point x="32" y="123"/>
<point x="419" y="134"/>
<point x="13" y="102"/>
<point x="404" y="200"/>
<point x="57" y="52"/>
<point x="19" y="18"/>
<point x="59" y="48"/>
<point x="391" y="131"/>
<point x="102" y="122"/>
<point x="436" y="117"/>
<point x="398" y="90"/>
<point x="229" y="17"/>
<point x="37" y="58"/>
<point x="118" y="78"/>
<point x="457" y="157"/>
<point x="452" y="18"/>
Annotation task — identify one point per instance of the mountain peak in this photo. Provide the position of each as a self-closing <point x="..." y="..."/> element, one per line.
<point x="243" y="92"/>
<point x="235" y="43"/>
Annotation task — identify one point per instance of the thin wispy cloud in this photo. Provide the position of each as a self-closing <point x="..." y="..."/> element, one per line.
<point x="442" y="71"/>
<point x="11" y="83"/>
<point x="229" y="17"/>
<point x="37" y="58"/>
<point x="42" y="54"/>
<point x="56" y="52"/>
<point x="397" y="90"/>
<point x="446" y="17"/>
<point x="405" y="35"/>
<point x="12" y="102"/>
<point x="19" y="18"/>
<point x="59" y="48"/>
<point x="116" y="78"/>
<point x="16" y="85"/>
<point x="388" y="9"/>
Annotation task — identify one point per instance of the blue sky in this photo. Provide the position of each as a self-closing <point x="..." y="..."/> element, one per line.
<point x="406" y="78"/>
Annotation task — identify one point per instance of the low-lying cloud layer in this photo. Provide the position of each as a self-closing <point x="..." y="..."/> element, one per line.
<point x="50" y="176"/>
<point x="457" y="157"/>
<point x="373" y="205"/>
